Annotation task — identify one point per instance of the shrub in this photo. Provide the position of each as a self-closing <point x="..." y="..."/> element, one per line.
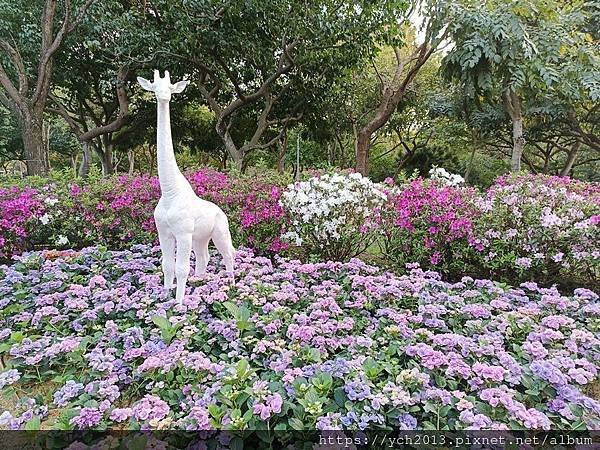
<point x="19" y="211"/>
<point x="524" y="227"/>
<point x="332" y="215"/>
<point x="118" y="211"/>
<point x="537" y="227"/>
<point x="252" y="203"/>
<point x="428" y="222"/>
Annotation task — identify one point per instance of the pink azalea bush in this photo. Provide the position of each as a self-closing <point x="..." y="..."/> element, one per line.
<point x="525" y="227"/>
<point x="428" y="222"/>
<point x="18" y="208"/>
<point x="118" y="211"/>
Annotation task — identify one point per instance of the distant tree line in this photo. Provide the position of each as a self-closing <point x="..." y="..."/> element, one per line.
<point x="479" y="87"/>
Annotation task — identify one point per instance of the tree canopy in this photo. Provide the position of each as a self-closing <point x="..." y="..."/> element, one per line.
<point x="382" y="87"/>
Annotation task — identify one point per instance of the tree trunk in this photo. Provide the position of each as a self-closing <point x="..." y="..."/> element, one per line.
<point x="34" y="147"/>
<point x="363" y="143"/>
<point x="518" y="144"/>
<point x="283" y="142"/>
<point x="235" y="154"/>
<point x="84" y="168"/>
<point x="474" y="143"/>
<point x="571" y="159"/>
<point x="106" y="160"/>
<point x="104" y="149"/>
<point x="131" y="159"/>
<point x="512" y="104"/>
<point x="391" y="96"/>
<point x="74" y="164"/>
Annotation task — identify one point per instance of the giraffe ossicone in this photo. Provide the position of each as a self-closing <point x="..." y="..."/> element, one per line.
<point x="185" y="222"/>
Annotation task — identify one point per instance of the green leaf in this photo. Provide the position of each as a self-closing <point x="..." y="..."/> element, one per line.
<point x="236" y="443"/>
<point x="265" y="436"/>
<point x="339" y="396"/>
<point x="242" y="368"/>
<point x="17" y="336"/>
<point x="296" y="424"/>
<point x="232" y="308"/>
<point x="137" y="442"/>
<point x="161" y="322"/>
<point x="33" y="424"/>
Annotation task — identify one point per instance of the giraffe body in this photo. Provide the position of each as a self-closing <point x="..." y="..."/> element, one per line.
<point x="185" y="222"/>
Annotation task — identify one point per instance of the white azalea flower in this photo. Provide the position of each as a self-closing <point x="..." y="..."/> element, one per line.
<point x="447" y="178"/>
<point x="45" y="219"/>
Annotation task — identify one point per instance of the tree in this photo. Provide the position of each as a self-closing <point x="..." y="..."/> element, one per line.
<point x="409" y="61"/>
<point x="94" y="79"/>
<point x="26" y="65"/>
<point x="515" y="51"/>
<point x="271" y="57"/>
<point x="93" y="115"/>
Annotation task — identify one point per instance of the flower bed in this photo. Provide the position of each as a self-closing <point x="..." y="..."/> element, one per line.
<point x="293" y="346"/>
<point x="524" y="228"/>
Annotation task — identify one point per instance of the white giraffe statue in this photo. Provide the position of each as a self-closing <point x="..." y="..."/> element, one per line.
<point x="185" y="222"/>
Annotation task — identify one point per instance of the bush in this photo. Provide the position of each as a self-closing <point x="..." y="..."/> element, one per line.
<point x="118" y="211"/>
<point x="429" y="222"/>
<point x="537" y="227"/>
<point x="332" y="215"/>
<point x="19" y="208"/>
<point x="524" y="227"/>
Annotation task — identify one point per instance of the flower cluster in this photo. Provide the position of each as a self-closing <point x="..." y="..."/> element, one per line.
<point x="18" y="210"/>
<point x="442" y="176"/>
<point x="332" y="215"/>
<point x="429" y="223"/>
<point x="540" y="227"/>
<point x="525" y="227"/>
<point x="293" y="345"/>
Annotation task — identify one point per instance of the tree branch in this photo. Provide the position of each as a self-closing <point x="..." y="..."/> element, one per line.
<point x="50" y="45"/>
<point x="11" y="90"/>
<point x="15" y="57"/>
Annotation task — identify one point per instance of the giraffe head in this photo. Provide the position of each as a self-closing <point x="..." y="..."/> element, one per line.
<point x="162" y="87"/>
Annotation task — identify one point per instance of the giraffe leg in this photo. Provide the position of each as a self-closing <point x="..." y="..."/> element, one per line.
<point x="182" y="265"/>
<point x="167" y="247"/>
<point x="222" y="239"/>
<point x="201" y="251"/>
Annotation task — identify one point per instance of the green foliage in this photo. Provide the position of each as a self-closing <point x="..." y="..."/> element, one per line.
<point x="11" y="144"/>
<point x="546" y="51"/>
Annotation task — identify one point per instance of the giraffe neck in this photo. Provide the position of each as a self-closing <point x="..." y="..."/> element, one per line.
<point x="170" y="177"/>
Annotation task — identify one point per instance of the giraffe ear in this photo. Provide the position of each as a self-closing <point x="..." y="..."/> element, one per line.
<point x="179" y="87"/>
<point x="145" y="84"/>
